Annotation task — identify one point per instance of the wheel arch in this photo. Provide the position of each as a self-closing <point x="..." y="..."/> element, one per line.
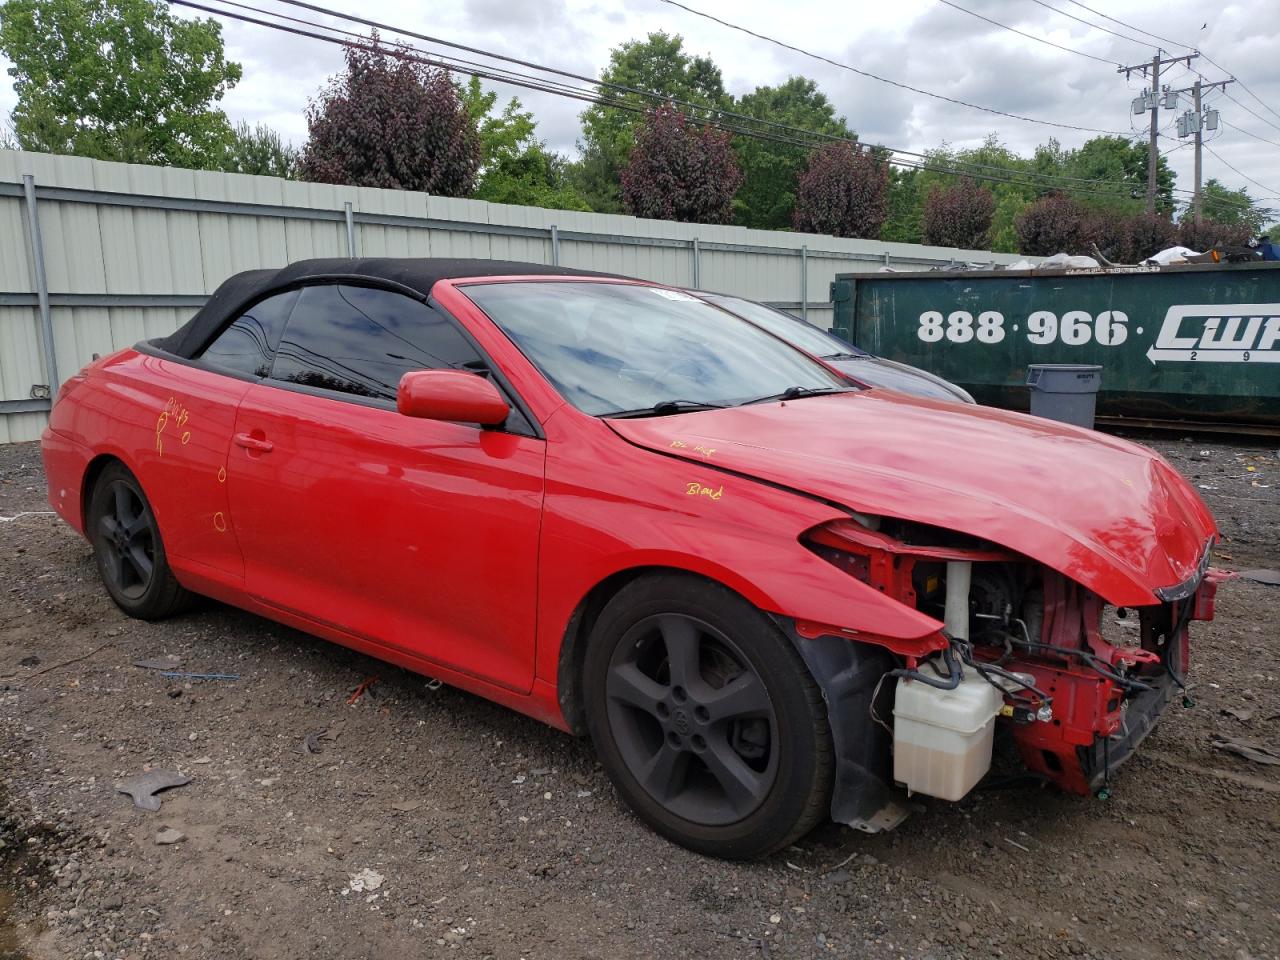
<point x="573" y="644"/>
<point x="847" y="671"/>
<point x="92" y="471"/>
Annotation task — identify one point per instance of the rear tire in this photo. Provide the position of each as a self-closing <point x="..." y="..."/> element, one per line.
<point x="128" y="549"/>
<point x="706" y="719"/>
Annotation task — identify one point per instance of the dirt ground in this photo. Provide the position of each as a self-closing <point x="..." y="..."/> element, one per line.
<point x="494" y="836"/>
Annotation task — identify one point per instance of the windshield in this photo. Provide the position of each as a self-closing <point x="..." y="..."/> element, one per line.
<point x="614" y="348"/>
<point x="795" y="331"/>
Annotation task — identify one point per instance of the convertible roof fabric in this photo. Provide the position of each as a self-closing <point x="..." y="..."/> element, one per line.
<point x="418" y="275"/>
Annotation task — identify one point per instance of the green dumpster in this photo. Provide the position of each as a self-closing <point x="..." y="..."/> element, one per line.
<point x="1195" y="342"/>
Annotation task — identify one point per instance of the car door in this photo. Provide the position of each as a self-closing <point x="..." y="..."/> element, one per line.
<point x="421" y="535"/>
<point x="184" y="465"/>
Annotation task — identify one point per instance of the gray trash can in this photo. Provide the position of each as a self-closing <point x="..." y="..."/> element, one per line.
<point x="1066" y="392"/>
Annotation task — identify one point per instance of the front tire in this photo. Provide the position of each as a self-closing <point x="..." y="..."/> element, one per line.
<point x="706" y="719"/>
<point x="128" y="549"/>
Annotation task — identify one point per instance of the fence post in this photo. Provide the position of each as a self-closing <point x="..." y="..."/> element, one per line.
<point x="804" y="283"/>
<point x="886" y="258"/>
<point x="697" y="265"/>
<point x="555" y="245"/>
<point x="42" y="283"/>
<point x="351" y="229"/>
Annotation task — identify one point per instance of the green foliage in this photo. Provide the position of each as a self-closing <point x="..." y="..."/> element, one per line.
<point x="117" y="80"/>
<point x="1118" y="159"/>
<point x="902" y="224"/>
<point x="678" y="171"/>
<point x="658" y="64"/>
<point x="1112" y="159"/>
<point x="259" y="150"/>
<point x="982" y="164"/>
<point x="1233" y="206"/>
<point x="772" y="169"/>
<point x="394" y="123"/>
<point x="515" y="166"/>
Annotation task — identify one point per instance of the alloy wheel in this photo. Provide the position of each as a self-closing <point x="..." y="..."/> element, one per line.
<point x="692" y="719"/>
<point x="127" y="540"/>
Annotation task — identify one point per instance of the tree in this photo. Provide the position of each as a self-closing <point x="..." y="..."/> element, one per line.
<point x="1139" y="235"/>
<point x="1209" y="233"/>
<point x="1053" y="224"/>
<point x="389" y="121"/>
<point x="1228" y="206"/>
<point x="843" y="191"/>
<point x="657" y="64"/>
<point x="117" y="80"/>
<point x="1000" y="170"/>
<point x="902" y="224"/>
<point x="259" y="150"/>
<point x="515" y="165"/>
<point x="1118" y="160"/>
<point x="959" y="216"/>
<point x="678" y="171"/>
<point x="772" y="169"/>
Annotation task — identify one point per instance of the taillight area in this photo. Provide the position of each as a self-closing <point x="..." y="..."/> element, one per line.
<point x="69" y="385"/>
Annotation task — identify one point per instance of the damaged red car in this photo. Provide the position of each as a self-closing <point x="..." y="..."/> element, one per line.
<point x="769" y="596"/>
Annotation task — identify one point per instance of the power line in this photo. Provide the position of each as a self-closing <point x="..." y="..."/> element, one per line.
<point x="1248" y="133"/>
<point x="1271" y="190"/>
<point x="1250" y="111"/>
<point x="1130" y="26"/>
<point x="1188" y="46"/>
<point x="892" y="83"/>
<point x="1246" y="89"/>
<point x="1029" y="36"/>
<point x="1096" y="26"/>
<point x="959" y="168"/>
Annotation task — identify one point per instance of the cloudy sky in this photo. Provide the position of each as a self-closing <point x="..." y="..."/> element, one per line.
<point x="925" y="43"/>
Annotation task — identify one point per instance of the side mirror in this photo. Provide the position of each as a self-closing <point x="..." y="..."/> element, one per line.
<point x="452" y="395"/>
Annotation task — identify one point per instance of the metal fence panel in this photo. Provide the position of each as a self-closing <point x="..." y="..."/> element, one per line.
<point x="131" y="251"/>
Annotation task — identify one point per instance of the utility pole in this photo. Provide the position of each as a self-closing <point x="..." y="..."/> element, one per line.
<point x="1194" y="122"/>
<point x="1153" y="152"/>
<point x="1195" y="198"/>
<point x="1150" y="102"/>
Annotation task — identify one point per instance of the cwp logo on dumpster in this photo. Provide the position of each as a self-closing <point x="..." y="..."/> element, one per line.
<point x="1219" y="333"/>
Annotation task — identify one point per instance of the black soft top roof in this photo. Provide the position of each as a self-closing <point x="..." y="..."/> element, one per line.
<point x="417" y="275"/>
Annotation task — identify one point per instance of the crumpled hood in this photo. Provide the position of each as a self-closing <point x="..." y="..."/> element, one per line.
<point x="1109" y="514"/>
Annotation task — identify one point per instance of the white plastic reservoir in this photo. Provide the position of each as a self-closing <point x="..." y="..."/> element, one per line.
<point x="942" y="738"/>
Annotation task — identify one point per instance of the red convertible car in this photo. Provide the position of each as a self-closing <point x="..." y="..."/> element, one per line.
<point x="767" y="595"/>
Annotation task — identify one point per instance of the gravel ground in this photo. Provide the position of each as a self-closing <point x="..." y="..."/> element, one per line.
<point x="432" y="823"/>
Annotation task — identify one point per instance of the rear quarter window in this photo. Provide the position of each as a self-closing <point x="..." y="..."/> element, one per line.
<point x="247" y="345"/>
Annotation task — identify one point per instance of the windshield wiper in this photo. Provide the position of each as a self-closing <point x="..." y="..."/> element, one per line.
<point x="666" y="407"/>
<point x="795" y="393"/>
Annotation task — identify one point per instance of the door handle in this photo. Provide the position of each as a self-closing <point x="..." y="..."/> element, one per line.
<point x="253" y="443"/>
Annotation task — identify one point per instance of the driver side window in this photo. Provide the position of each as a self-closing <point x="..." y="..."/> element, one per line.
<point x="362" y="340"/>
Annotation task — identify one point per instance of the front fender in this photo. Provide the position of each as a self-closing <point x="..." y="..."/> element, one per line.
<point x="611" y="507"/>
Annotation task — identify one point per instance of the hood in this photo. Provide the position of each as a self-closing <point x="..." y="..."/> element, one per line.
<point x="879" y="372"/>
<point x="1109" y="514"/>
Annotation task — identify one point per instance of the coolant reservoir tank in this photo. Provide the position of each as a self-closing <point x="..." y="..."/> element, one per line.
<point x="942" y="738"/>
